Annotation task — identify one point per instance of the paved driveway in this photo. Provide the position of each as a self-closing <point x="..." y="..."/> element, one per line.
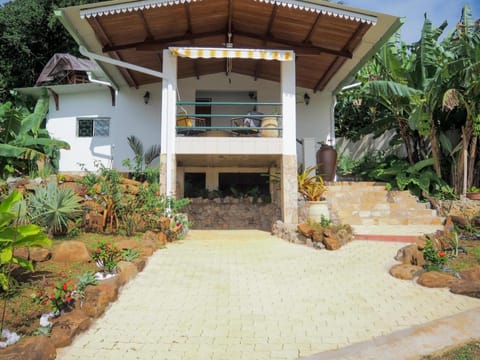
<point x="248" y="295"/>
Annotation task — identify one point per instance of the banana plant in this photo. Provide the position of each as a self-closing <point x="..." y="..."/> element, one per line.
<point x="14" y="236"/>
<point x="23" y="140"/>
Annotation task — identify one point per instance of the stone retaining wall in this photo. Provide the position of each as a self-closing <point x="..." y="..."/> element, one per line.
<point x="464" y="208"/>
<point x="231" y="213"/>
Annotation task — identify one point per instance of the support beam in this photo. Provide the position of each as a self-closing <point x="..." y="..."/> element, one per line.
<point x="312" y="29"/>
<point x="146" y="28"/>
<point x="258" y="65"/>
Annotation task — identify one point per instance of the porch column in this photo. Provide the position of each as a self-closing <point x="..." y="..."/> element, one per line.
<point x="289" y="187"/>
<point x="169" y="104"/>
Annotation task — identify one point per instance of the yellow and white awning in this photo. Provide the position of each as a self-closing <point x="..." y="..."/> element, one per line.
<point x="232" y="53"/>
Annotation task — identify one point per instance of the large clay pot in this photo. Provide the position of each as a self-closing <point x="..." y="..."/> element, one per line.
<point x="327" y="162"/>
<point x="269" y="121"/>
<point x="317" y="210"/>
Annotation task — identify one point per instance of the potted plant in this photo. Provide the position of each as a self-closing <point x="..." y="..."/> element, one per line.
<point x="473" y="193"/>
<point x="312" y="187"/>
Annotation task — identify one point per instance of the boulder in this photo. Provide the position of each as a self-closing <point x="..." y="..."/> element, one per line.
<point x="435" y="279"/>
<point x="330" y="240"/>
<point x="468" y="288"/>
<point x="98" y="297"/>
<point x="476" y="221"/>
<point x="471" y="274"/>
<point x="79" y="189"/>
<point x="126" y="272"/>
<point x="405" y="271"/>
<point x="39" y="254"/>
<point x="448" y="228"/>
<point x="31" y="348"/>
<point x="68" y="325"/>
<point x="147" y="243"/>
<point x="461" y="221"/>
<point x="140" y="263"/>
<point x="127" y="244"/>
<point x="305" y="229"/>
<point x="146" y="251"/>
<point x="317" y="235"/>
<point x="420" y="242"/>
<point x="71" y="251"/>
<point x="21" y="252"/>
<point x="344" y="236"/>
<point x="410" y="255"/>
<point x="157" y="237"/>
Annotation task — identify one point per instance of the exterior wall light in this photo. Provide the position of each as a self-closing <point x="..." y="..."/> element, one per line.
<point x="146" y="97"/>
<point x="306" y="99"/>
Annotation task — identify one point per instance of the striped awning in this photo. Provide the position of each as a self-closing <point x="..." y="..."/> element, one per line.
<point x="232" y="53"/>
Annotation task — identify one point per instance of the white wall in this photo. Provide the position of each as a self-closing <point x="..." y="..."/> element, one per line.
<point x="130" y="116"/>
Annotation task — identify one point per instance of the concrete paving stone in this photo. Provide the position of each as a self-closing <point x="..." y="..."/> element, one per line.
<point x="250" y="294"/>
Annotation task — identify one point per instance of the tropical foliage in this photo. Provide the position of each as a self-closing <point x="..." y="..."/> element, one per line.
<point x="311" y="186"/>
<point x="429" y="92"/>
<point x="25" y="146"/>
<point x="13" y="236"/>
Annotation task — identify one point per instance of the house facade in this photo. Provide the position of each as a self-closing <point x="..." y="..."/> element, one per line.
<point x="230" y="89"/>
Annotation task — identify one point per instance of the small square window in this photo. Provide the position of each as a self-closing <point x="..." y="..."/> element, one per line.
<point x="93" y="127"/>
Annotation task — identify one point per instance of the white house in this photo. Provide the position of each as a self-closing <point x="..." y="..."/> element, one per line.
<point x="217" y="61"/>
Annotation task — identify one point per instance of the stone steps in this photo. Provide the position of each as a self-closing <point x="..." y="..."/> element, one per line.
<point x="370" y="204"/>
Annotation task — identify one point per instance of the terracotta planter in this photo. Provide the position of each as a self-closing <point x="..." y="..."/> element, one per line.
<point x="473" y="195"/>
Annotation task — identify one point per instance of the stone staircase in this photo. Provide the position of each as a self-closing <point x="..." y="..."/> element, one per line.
<point x="370" y="208"/>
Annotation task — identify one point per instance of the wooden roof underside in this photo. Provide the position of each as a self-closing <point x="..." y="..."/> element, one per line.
<point x="322" y="43"/>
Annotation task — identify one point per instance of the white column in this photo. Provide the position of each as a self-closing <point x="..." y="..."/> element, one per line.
<point x="169" y="105"/>
<point x="289" y="107"/>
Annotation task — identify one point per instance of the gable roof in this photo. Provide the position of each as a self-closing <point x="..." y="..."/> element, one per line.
<point x="330" y="41"/>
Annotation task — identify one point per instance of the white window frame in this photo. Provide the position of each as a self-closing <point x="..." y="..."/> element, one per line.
<point x="94" y="119"/>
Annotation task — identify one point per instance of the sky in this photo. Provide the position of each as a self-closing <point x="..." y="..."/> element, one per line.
<point x="413" y="10"/>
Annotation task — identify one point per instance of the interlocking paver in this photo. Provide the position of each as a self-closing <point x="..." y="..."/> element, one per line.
<point x="246" y="294"/>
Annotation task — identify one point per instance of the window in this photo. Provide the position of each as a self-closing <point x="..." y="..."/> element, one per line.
<point x="90" y="127"/>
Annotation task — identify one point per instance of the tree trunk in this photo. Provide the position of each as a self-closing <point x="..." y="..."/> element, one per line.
<point x="471" y="161"/>
<point x="403" y="125"/>
<point x="435" y="147"/>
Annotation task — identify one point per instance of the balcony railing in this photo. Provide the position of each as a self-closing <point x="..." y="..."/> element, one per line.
<point x="240" y="124"/>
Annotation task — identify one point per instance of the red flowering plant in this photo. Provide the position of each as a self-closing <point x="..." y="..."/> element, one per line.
<point x="436" y="259"/>
<point x="106" y="256"/>
<point x="61" y="298"/>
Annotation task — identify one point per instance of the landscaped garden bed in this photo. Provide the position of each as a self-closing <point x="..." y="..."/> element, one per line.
<point x="446" y="259"/>
<point x="102" y="228"/>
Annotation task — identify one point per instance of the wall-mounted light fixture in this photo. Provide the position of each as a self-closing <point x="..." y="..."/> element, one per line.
<point x="306" y="99"/>
<point x="146" y="97"/>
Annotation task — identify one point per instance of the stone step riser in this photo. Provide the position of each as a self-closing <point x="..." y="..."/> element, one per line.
<point x="371" y="204"/>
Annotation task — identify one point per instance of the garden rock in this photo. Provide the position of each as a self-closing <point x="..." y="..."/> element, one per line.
<point x="472" y="273"/>
<point x="475" y="221"/>
<point x="410" y="255"/>
<point x="147" y="243"/>
<point x="98" y="297"/>
<point x="126" y="272"/>
<point x="306" y="230"/>
<point x="127" y="244"/>
<point x="21" y="252"/>
<point x="448" y="228"/>
<point x="32" y="348"/>
<point x="421" y="243"/>
<point x="68" y="325"/>
<point x="38" y="254"/>
<point x="468" y="288"/>
<point x="344" y="236"/>
<point x="158" y="237"/>
<point x="77" y="188"/>
<point x="146" y="251"/>
<point x="405" y="271"/>
<point x="461" y="221"/>
<point x="140" y="263"/>
<point x="71" y="251"/>
<point x="330" y="241"/>
<point x="435" y="279"/>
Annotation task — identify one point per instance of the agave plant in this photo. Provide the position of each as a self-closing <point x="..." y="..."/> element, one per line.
<point x="53" y="207"/>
